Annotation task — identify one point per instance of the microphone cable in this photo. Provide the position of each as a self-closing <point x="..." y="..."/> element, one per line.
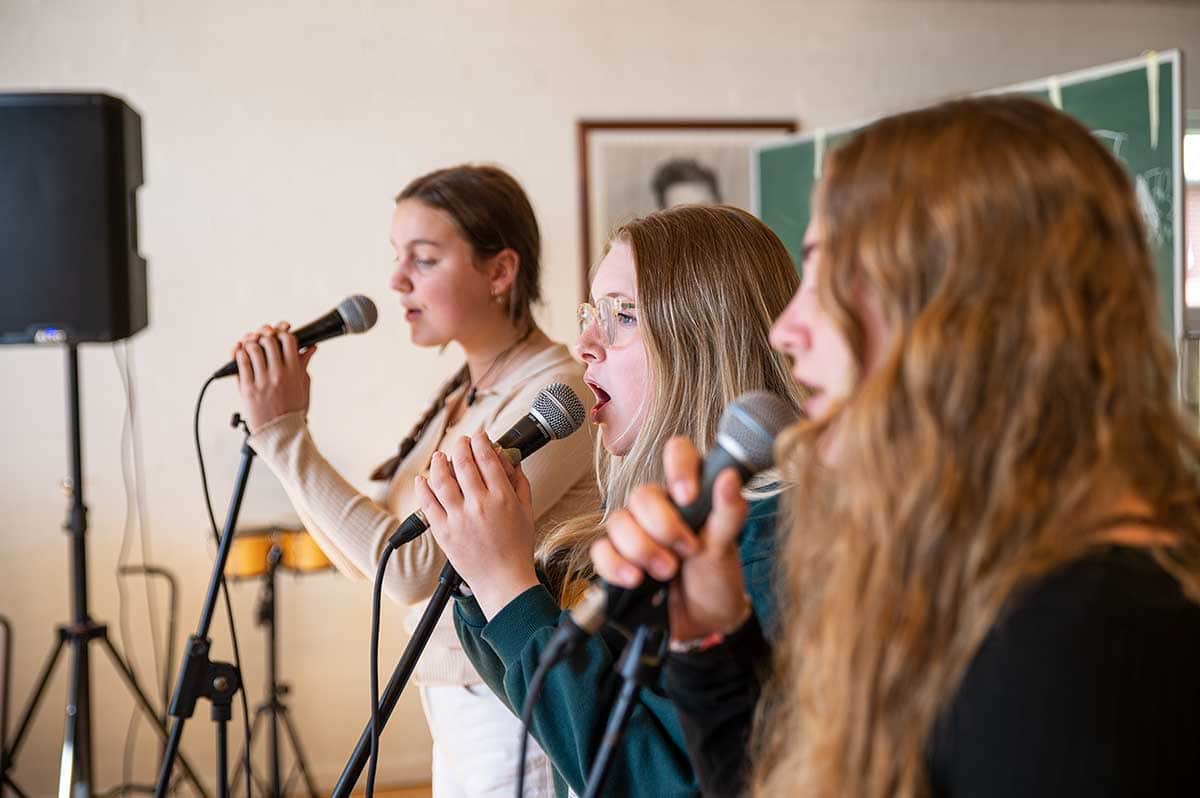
<point x="535" y="691"/>
<point x="212" y="520"/>
<point x="637" y="669"/>
<point x="376" y="601"/>
<point x="561" y="646"/>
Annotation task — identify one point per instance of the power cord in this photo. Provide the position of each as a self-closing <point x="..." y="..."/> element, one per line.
<point x="134" y="484"/>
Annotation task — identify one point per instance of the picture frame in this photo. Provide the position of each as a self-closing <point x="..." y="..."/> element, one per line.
<point x="630" y="167"/>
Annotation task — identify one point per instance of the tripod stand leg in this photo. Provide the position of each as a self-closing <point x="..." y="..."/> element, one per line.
<point x="5" y="697"/>
<point x="35" y="699"/>
<point x="237" y="760"/>
<point x="7" y="782"/>
<point x="295" y="740"/>
<point x="75" y="766"/>
<point x="144" y="703"/>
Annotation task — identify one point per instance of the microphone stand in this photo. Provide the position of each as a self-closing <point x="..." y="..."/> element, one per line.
<point x="200" y="677"/>
<point x="638" y="669"/>
<point x="448" y="582"/>
<point x="525" y="438"/>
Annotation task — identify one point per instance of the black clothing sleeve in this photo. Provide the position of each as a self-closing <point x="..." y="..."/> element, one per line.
<point x="715" y="693"/>
<point x="1087" y="685"/>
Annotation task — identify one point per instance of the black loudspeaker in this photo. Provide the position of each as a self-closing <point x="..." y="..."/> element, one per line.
<point x="70" y="167"/>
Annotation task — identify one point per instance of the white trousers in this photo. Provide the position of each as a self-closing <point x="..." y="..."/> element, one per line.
<point x="476" y="740"/>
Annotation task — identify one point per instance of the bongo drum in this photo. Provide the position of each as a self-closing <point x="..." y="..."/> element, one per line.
<point x="301" y="554"/>
<point x="249" y="552"/>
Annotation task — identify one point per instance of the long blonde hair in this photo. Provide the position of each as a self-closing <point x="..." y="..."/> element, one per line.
<point x="710" y="281"/>
<point x="1024" y="385"/>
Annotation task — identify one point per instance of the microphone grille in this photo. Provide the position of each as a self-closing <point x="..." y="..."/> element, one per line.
<point x="751" y="423"/>
<point x="358" y="312"/>
<point x="560" y="408"/>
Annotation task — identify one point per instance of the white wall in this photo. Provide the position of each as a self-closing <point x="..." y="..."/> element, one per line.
<point x="275" y="138"/>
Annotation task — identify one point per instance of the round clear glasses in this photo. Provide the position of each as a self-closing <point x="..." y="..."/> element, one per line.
<point x="615" y="318"/>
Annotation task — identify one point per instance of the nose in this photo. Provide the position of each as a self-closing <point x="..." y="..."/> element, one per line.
<point x="399" y="280"/>
<point x="588" y="346"/>
<point x="790" y="333"/>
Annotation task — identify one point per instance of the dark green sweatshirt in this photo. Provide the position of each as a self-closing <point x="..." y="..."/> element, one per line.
<point x="573" y="708"/>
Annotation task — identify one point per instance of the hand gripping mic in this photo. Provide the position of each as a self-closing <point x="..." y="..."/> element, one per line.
<point x="355" y="314"/>
<point x="556" y="413"/>
<point x="745" y="439"/>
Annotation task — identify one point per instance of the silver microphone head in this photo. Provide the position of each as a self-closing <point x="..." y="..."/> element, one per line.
<point x="358" y="312"/>
<point x="558" y="409"/>
<point x="748" y="427"/>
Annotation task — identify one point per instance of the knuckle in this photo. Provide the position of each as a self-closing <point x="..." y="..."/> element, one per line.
<point x="644" y="497"/>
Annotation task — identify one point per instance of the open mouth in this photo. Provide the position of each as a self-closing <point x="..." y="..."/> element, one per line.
<point x="602" y="398"/>
<point x="812" y="398"/>
<point x="411" y="313"/>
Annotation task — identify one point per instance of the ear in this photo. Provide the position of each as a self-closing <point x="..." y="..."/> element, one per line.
<point x="502" y="270"/>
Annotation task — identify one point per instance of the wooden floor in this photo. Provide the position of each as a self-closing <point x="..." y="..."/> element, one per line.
<point x="401" y="792"/>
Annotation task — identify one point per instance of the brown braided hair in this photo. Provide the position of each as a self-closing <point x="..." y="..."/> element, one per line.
<point x="387" y="469"/>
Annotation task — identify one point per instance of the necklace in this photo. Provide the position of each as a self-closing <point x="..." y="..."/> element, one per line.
<point x="500" y="358"/>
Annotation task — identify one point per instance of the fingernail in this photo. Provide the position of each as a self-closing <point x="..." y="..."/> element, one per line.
<point x="662" y="567"/>
<point x="732" y="489"/>
<point x="681" y="491"/>
<point x="685" y="547"/>
<point x="629" y="574"/>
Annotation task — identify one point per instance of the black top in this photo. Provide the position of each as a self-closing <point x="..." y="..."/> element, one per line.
<point x="1088" y="685"/>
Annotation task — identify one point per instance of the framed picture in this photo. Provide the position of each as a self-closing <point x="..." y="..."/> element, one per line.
<point x="630" y="167"/>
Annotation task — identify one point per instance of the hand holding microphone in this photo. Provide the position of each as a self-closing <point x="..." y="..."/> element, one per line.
<point x="273" y="371"/>
<point x="480" y="511"/>
<point x="650" y="537"/>
<point x="654" y="539"/>
<point x="478" y="505"/>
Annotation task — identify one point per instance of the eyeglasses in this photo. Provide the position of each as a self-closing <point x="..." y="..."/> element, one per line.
<point x="616" y="319"/>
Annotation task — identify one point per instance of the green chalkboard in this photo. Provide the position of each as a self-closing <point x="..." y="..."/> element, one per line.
<point x="1133" y="106"/>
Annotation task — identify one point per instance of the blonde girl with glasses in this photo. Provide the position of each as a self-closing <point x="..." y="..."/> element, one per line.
<point x="466" y="271"/>
<point x="676" y="328"/>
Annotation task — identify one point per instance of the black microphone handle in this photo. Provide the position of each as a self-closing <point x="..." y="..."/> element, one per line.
<point x="328" y="326"/>
<point x="621" y="601"/>
<point x="527" y="435"/>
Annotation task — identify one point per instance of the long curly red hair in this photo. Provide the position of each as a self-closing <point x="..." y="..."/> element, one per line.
<point x="1024" y="384"/>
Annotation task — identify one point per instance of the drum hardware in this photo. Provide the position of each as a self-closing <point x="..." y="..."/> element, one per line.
<point x="262" y="553"/>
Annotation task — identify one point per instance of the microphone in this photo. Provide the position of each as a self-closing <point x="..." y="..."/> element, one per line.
<point x="745" y="440"/>
<point x="355" y="314"/>
<point x="556" y="413"/>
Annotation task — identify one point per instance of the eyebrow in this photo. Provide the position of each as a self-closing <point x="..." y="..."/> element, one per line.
<point x="414" y="242"/>
<point x="614" y="295"/>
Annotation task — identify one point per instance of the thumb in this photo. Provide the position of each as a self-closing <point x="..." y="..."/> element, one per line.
<point x="728" y="513"/>
<point x="307" y="355"/>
